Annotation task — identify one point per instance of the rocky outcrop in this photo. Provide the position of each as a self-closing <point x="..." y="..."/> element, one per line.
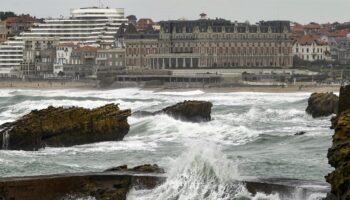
<point x="322" y="104"/>
<point x="99" y="186"/>
<point x="339" y="153"/>
<point x="192" y="111"/>
<point x="115" y="186"/>
<point x="344" y="99"/>
<point x="147" y="168"/>
<point x="57" y="127"/>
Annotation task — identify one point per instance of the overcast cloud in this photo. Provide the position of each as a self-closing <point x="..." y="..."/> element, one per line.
<point x="253" y="10"/>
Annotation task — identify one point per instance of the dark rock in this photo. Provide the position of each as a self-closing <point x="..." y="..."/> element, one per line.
<point x="100" y="186"/>
<point x="339" y="153"/>
<point x="322" y="104"/>
<point x="330" y="196"/>
<point x="300" y="133"/>
<point x="344" y="99"/>
<point x="115" y="186"/>
<point x="56" y="127"/>
<point x="192" y="111"/>
<point x="142" y="168"/>
<point x="344" y="103"/>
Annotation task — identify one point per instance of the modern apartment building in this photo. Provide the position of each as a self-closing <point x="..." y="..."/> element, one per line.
<point x="11" y="57"/>
<point x="91" y="25"/>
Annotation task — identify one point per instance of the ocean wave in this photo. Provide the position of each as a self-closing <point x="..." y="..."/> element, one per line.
<point x="202" y="172"/>
<point x="126" y="145"/>
<point x="187" y="93"/>
<point x="165" y="128"/>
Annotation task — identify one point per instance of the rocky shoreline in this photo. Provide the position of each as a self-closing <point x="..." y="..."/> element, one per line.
<point x="58" y="127"/>
<point x="116" y="185"/>
<point x="101" y="186"/>
<point x="339" y="153"/>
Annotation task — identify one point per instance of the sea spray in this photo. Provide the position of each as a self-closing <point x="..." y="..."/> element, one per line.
<point x="202" y="172"/>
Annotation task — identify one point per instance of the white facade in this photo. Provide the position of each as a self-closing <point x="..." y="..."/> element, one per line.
<point x="63" y="54"/>
<point x="11" y="58"/>
<point x="86" y="25"/>
<point x="312" y="52"/>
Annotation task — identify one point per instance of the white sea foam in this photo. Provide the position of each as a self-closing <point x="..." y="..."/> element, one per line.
<point x="238" y="119"/>
<point x="165" y="128"/>
<point x="126" y="145"/>
<point x="187" y="93"/>
<point x="202" y="172"/>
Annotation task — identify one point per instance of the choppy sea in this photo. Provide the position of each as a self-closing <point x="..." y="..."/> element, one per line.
<point x="251" y="134"/>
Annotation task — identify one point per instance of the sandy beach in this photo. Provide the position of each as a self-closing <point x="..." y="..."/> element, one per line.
<point x="46" y="85"/>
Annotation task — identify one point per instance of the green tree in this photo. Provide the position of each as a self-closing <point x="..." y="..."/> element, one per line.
<point x="5" y="15"/>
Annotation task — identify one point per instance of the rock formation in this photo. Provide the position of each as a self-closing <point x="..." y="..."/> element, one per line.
<point x="339" y="153"/>
<point x="344" y="100"/>
<point x="99" y="186"/>
<point x="116" y="185"/>
<point x="322" y="104"/>
<point x="192" y="111"/>
<point x="57" y="127"/>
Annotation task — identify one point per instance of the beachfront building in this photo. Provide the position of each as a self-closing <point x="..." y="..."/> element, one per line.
<point x="220" y="43"/>
<point x="110" y="63"/>
<point x="91" y="25"/>
<point x="81" y="63"/>
<point x="39" y="55"/>
<point x="138" y="44"/>
<point x="63" y="55"/>
<point x="85" y="26"/>
<point x="212" y="43"/>
<point x="11" y="57"/>
<point x="311" y="48"/>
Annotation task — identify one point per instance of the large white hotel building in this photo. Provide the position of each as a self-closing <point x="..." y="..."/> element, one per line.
<point x="92" y="25"/>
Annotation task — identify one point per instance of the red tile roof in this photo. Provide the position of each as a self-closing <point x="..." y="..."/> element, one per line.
<point x="19" y="19"/>
<point x="86" y="49"/>
<point x="339" y="33"/>
<point x="309" y="39"/>
<point x="298" y="28"/>
<point x="312" y="26"/>
<point x="144" y="23"/>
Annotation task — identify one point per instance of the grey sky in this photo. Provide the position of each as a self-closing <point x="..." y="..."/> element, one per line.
<point x="302" y="11"/>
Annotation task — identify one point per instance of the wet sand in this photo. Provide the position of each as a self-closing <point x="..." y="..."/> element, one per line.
<point x="45" y="85"/>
